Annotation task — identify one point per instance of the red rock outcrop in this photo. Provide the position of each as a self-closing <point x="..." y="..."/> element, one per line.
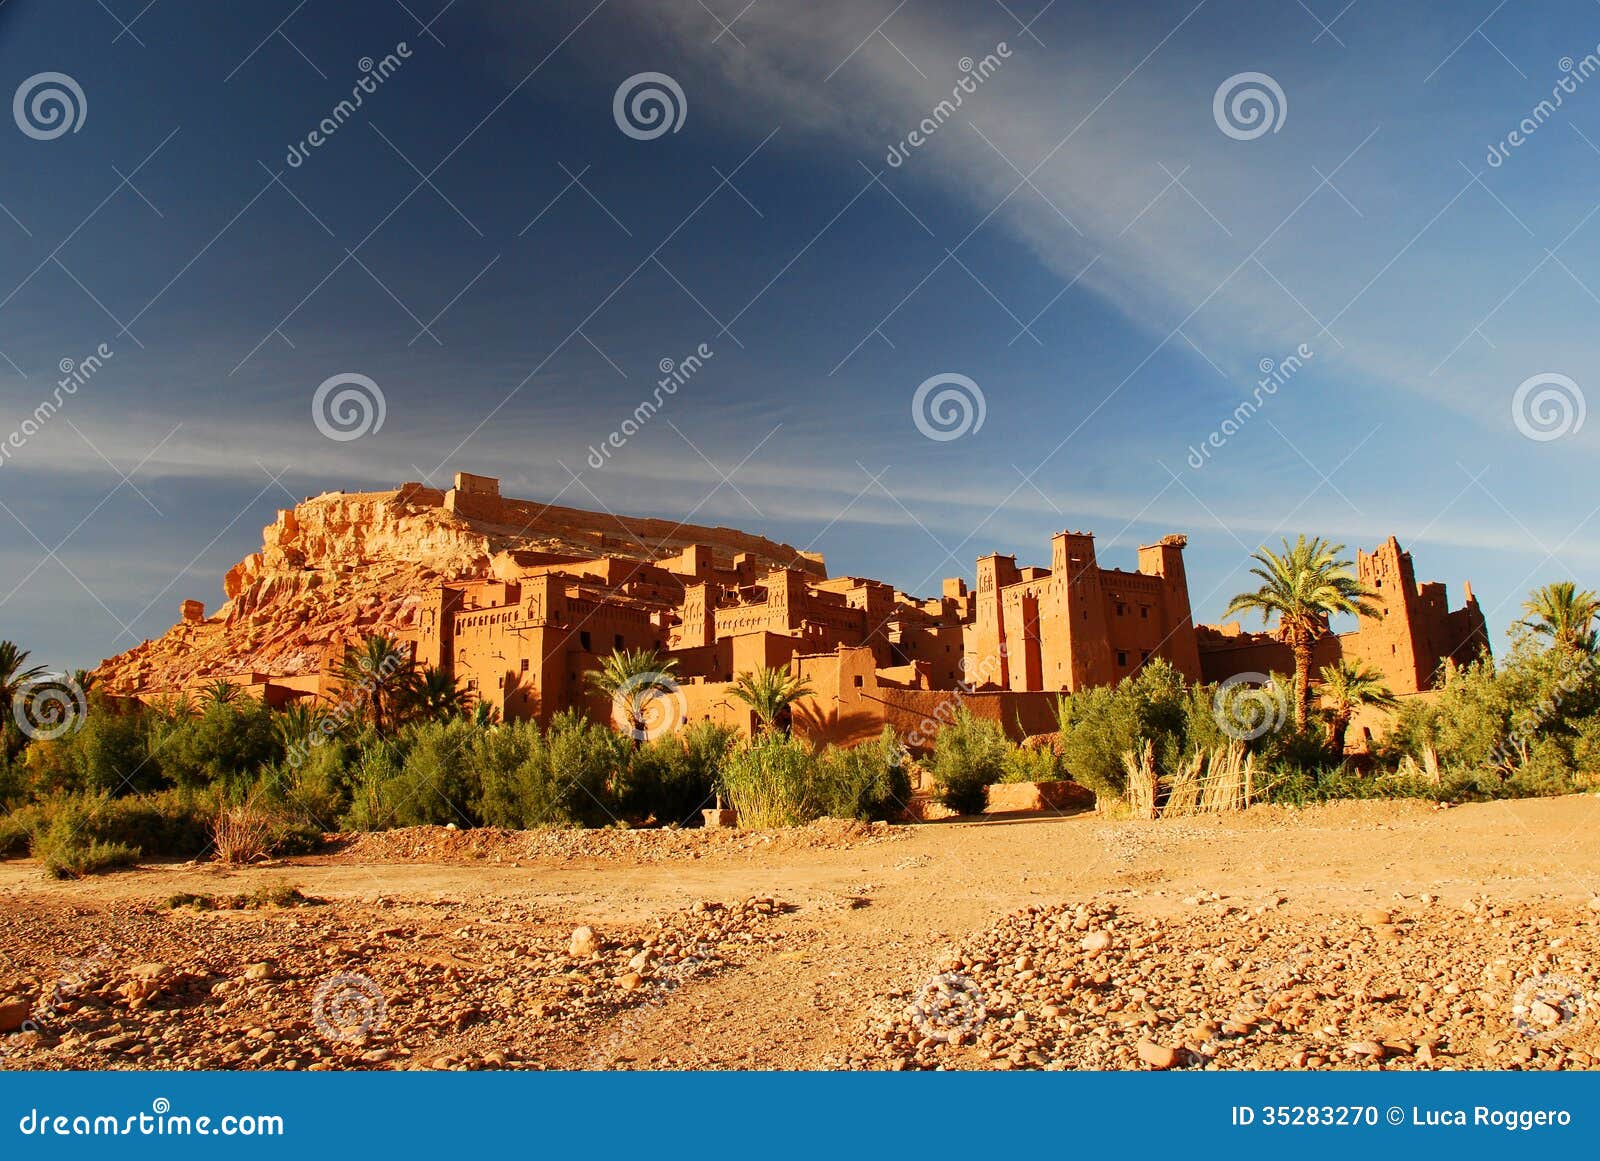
<point x="342" y="565"/>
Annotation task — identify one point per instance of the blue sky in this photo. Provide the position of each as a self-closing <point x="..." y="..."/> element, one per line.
<point x="1082" y="240"/>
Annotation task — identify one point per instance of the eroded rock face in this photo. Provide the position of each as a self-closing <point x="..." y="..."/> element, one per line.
<point x="344" y="565"/>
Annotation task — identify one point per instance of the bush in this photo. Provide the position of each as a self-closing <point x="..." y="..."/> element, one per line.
<point x="1100" y="725"/>
<point x="434" y="785"/>
<point x="69" y="850"/>
<point x="1031" y="764"/>
<point x="564" y="776"/>
<point x="582" y="759"/>
<point x="968" y="756"/>
<point x="1533" y="722"/>
<point x="772" y="782"/>
<point x="226" y="745"/>
<point x="673" y="778"/>
<point x="17" y="831"/>
<point x="869" y="782"/>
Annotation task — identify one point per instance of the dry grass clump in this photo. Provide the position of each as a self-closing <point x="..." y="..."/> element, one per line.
<point x="1208" y="782"/>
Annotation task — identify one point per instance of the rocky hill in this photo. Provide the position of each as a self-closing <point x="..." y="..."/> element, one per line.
<point x="344" y="564"/>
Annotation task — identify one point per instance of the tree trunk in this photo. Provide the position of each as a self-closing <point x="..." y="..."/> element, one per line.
<point x="1302" y="683"/>
<point x="1337" y="730"/>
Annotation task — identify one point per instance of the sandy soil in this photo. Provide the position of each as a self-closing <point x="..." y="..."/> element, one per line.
<point x="865" y="914"/>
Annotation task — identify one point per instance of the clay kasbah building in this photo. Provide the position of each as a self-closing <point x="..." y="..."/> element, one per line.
<point x="519" y="600"/>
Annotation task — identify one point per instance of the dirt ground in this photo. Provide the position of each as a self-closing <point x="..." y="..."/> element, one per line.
<point x="808" y="949"/>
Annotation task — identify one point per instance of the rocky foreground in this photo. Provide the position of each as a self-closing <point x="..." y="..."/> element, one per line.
<point x="279" y="981"/>
<point x="1224" y="985"/>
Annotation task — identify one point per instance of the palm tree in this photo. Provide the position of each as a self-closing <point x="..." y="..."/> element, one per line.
<point x="631" y="679"/>
<point x="1303" y="587"/>
<point x="1563" y="614"/>
<point x="379" y="675"/>
<point x="294" y="724"/>
<point x="221" y="692"/>
<point x="1346" y="686"/>
<point x="84" y="679"/>
<point x="14" y="677"/>
<point x="435" y="695"/>
<point x="771" y="694"/>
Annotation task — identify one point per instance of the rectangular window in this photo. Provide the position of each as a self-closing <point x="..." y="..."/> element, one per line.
<point x="1122" y="659"/>
<point x="524" y="665"/>
<point x="616" y="642"/>
<point x="583" y="642"/>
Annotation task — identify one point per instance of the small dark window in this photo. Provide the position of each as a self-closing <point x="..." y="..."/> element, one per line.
<point x="1122" y="658"/>
<point x="524" y="665"/>
<point x="583" y="642"/>
<point x="616" y="642"/>
<point x="857" y="681"/>
<point x="1122" y="609"/>
<point x="1144" y="655"/>
<point x="1144" y="612"/>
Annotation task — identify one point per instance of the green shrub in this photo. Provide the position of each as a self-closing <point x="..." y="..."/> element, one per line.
<point x="969" y="755"/>
<point x="226" y="745"/>
<point x="499" y="757"/>
<point x="567" y="775"/>
<point x="69" y="849"/>
<point x="17" y="830"/>
<point x="583" y="760"/>
<point x="868" y="782"/>
<point x="434" y="785"/>
<point x="1032" y="764"/>
<point x="672" y="778"/>
<point x="1101" y="724"/>
<point x="1531" y="718"/>
<point x="772" y="782"/>
<point x="13" y="778"/>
